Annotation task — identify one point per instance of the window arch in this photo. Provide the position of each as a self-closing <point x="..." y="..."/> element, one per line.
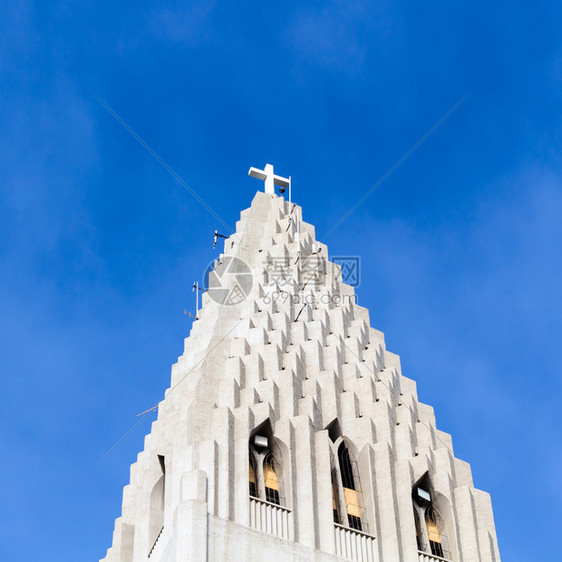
<point x="347" y="495"/>
<point x="351" y="488"/>
<point x="265" y="472"/>
<point x="430" y="527"/>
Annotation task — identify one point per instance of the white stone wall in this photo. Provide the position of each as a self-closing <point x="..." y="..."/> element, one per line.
<point x="252" y="362"/>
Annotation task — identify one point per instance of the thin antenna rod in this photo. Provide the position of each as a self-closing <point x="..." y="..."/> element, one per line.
<point x="149" y="410"/>
<point x="216" y="237"/>
<point x="196" y="289"/>
<point x="298" y="232"/>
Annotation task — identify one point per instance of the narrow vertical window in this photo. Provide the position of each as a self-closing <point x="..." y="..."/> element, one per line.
<point x="271" y="480"/>
<point x="351" y="497"/>
<point x="430" y="526"/>
<point x="347" y="497"/>
<point x="433" y="522"/>
<point x="265" y="471"/>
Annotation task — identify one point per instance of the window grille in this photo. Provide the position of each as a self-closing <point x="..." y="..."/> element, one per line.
<point x="435" y="526"/>
<point x="347" y="495"/>
<point x="271" y="479"/>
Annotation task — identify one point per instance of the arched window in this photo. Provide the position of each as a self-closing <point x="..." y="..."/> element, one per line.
<point x="265" y="468"/>
<point x="430" y="526"/>
<point x="347" y="496"/>
<point x="351" y="493"/>
<point x="434" y="525"/>
<point x="271" y="474"/>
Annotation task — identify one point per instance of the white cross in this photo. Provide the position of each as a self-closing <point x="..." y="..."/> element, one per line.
<point x="270" y="178"/>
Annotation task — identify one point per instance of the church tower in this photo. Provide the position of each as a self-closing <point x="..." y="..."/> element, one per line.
<point x="288" y="432"/>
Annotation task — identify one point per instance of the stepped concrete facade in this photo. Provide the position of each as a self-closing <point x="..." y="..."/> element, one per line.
<point x="288" y="431"/>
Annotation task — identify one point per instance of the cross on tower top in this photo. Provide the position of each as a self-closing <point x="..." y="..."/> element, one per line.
<point x="270" y="178"/>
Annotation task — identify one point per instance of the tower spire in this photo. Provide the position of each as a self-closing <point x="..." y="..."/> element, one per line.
<point x="288" y="431"/>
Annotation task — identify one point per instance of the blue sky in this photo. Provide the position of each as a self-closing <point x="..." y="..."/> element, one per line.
<point x="99" y="244"/>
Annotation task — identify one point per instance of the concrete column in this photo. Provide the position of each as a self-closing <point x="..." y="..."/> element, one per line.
<point x="305" y="481"/>
<point x="324" y="510"/>
<point x="190" y="519"/>
<point x="385" y="483"/>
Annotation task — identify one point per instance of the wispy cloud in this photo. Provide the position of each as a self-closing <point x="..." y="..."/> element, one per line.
<point x="337" y="35"/>
<point x="185" y="23"/>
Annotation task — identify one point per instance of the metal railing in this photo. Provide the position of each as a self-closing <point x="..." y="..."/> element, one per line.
<point x="426" y="557"/>
<point x="354" y="544"/>
<point x="271" y="518"/>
